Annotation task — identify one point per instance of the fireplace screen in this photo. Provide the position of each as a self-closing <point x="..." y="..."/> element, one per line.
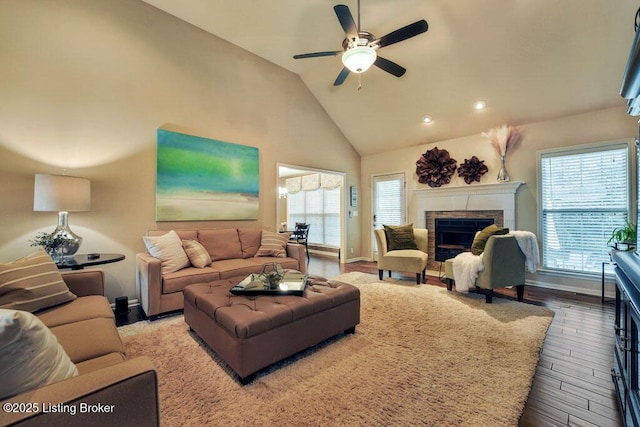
<point x="455" y="235"/>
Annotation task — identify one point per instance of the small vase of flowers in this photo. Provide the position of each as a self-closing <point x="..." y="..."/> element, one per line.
<point x="51" y="242"/>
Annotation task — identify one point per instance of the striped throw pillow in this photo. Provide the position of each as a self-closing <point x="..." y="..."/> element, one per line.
<point x="198" y="255"/>
<point x="32" y="283"/>
<point x="273" y="244"/>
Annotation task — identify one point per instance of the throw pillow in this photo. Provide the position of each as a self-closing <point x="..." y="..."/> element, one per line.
<point x="197" y="254"/>
<point x="30" y="355"/>
<point x="400" y="237"/>
<point x="168" y="249"/>
<point x="273" y="244"/>
<point x="480" y="241"/>
<point x="32" y="283"/>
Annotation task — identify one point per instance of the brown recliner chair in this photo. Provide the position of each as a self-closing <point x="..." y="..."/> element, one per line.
<point x="504" y="266"/>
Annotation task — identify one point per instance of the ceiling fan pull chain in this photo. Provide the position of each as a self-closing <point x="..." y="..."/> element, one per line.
<point x="359" y="81"/>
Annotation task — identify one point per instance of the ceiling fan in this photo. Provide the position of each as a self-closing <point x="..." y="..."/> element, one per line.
<point x="359" y="47"/>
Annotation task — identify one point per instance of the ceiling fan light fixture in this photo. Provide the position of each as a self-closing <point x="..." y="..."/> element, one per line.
<point x="358" y="59"/>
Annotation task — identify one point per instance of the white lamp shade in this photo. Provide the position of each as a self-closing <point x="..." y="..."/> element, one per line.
<point x="358" y="59"/>
<point x="56" y="193"/>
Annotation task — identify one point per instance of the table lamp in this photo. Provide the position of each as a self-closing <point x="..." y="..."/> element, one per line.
<point x="63" y="194"/>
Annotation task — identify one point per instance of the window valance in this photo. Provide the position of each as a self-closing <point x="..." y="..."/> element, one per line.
<point x="312" y="182"/>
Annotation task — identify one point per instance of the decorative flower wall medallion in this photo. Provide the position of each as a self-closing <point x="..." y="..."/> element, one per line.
<point x="435" y="167"/>
<point x="472" y="170"/>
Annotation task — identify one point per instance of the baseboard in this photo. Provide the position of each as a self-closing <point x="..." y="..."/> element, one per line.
<point x="350" y="260"/>
<point x="573" y="289"/>
<point x="132" y="303"/>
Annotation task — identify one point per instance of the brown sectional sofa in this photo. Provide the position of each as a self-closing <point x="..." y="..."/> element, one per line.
<point x="86" y="330"/>
<point x="232" y="251"/>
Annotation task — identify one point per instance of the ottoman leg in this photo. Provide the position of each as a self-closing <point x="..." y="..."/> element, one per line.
<point x="246" y="380"/>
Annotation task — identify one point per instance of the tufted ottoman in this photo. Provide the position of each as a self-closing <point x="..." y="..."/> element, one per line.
<point x="252" y="332"/>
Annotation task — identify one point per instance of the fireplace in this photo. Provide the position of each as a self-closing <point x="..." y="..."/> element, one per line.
<point x="497" y="201"/>
<point x="455" y="235"/>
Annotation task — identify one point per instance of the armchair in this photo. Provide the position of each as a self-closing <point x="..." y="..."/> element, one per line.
<point x="411" y="260"/>
<point x="504" y="266"/>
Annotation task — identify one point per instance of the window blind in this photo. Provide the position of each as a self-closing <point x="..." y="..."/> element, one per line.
<point x="584" y="196"/>
<point x="389" y="200"/>
<point x="321" y="209"/>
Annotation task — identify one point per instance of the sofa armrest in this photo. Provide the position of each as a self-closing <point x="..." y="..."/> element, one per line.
<point x="125" y="394"/>
<point x="85" y="282"/>
<point x="149" y="281"/>
<point x="297" y="252"/>
<point x="381" y="242"/>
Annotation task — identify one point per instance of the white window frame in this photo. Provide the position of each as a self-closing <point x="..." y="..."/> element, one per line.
<point x="580" y="149"/>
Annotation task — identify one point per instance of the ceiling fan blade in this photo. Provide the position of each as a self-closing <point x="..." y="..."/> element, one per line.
<point x="390" y="66"/>
<point x="346" y="20"/>
<point x="342" y="76"/>
<point x="317" y="54"/>
<point x="403" y="33"/>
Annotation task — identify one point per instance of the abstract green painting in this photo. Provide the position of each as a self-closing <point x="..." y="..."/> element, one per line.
<point x="201" y="179"/>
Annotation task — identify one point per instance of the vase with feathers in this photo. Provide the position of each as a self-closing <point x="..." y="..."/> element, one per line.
<point x="503" y="139"/>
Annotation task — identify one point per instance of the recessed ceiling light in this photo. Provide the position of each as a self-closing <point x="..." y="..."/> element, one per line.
<point x="427" y="119"/>
<point x="479" y="105"/>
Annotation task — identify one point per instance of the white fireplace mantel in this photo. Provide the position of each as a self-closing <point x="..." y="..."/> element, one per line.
<point x="500" y="196"/>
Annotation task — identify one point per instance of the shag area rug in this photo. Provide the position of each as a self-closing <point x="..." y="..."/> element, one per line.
<point x="420" y="356"/>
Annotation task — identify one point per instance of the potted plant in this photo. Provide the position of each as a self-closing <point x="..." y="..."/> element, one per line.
<point x="623" y="238"/>
<point x="51" y="242"/>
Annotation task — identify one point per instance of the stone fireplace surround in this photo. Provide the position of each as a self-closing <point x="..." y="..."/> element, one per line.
<point x="470" y="201"/>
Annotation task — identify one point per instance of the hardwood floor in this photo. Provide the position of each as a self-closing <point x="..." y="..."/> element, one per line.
<point x="572" y="385"/>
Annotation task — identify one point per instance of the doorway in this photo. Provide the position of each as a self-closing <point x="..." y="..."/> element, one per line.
<point x="389" y="205"/>
<point x="316" y="197"/>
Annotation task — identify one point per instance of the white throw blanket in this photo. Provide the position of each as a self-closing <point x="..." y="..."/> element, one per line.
<point x="529" y="247"/>
<point x="467" y="266"/>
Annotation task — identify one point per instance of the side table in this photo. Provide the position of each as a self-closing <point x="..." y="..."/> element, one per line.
<point x="80" y="261"/>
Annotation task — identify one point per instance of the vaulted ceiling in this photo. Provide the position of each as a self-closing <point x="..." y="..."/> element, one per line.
<point x="530" y="60"/>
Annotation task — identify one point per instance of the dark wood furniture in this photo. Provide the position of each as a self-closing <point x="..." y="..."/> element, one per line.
<point x="80" y="261"/>
<point x="626" y="358"/>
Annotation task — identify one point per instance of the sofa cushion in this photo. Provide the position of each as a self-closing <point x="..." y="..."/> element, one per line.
<point x="480" y="241"/>
<point x="249" y="241"/>
<point x="236" y="267"/>
<point x="272" y="244"/>
<point x="400" y="237"/>
<point x="88" y="339"/>
<point x="221" y="244"/>
<point x="286" y="263"/>
<point x="168" y="249"/>
<point x="89" y="307"/>
<point x="32" y="283"/>
<point x="100" y="362"/>
<point x="176" y="281"/>
<point x="198" y="255"/>
<point x="30" y="355"/>
<point x="187" y="234"/>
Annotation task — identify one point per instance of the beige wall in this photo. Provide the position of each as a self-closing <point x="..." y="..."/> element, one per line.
<point x="604" y="125"/>
<point x="84" y="86"/>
